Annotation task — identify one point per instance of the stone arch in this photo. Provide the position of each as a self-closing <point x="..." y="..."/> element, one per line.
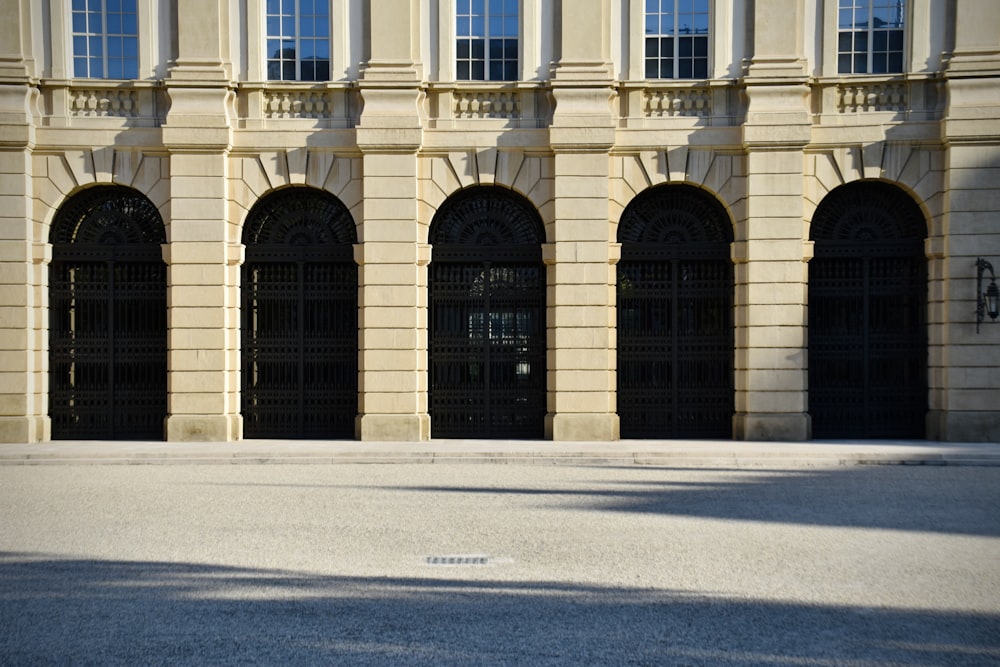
<point x="675" y="316"/>
<point x="868" y="313"/>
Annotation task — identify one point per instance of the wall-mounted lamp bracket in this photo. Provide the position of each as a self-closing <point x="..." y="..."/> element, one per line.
<point x="987" y="302"/>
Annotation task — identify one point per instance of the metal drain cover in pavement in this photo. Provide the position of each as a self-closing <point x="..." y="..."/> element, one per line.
<point x="457" y="559"/>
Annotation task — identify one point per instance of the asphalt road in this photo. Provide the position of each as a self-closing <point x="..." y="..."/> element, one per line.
<point x="499" y="564"/>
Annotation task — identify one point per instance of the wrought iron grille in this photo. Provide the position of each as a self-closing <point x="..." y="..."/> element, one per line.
<point x="299" y="318"/>
<point x="107" y="318"/>
<point x="867" y="315"/>
<point x="675" y="316"/>
<point x="487" y="318"/>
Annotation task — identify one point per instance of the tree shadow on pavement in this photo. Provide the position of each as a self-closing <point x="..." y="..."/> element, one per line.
<point x="961" y="501"/>
<point x="64" y="611"/>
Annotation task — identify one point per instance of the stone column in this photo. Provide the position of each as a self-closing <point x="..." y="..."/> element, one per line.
<point x="23" y="256"/>
<point x="392" y="255"/>
<point x="964" y="365"/>
<point x="582" y="252"/>
<point x="203" y="252"/>
<point x="770" y="247"/>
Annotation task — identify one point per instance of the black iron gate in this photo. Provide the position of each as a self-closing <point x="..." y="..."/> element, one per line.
<point x="107" y="318"/>
<point x="487" y="318"/>
<point x="675" y="317"/>
<point x="867" y="322"/>
<point x="299" y="318"/>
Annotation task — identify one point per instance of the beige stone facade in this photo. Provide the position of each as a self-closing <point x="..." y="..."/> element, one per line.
<point x="393" y="136"/>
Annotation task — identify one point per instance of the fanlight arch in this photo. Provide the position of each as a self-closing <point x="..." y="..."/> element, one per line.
<point x="867" y="314"/>
<point x="299" y="317"/>
<point x="675" y="316"/>
<point x="107" y="317"/>
<point x="487" y="342"/>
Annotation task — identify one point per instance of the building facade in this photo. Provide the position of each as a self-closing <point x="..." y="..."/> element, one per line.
<point x="587" y="220"/>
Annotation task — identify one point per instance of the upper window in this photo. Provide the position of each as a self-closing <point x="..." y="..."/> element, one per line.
<point x="105" y="39"/>
<point x="486" y="32"/>
<point x="677" y="39"/>
<point x="870" y="37"/>
<point x="298" y="40"/>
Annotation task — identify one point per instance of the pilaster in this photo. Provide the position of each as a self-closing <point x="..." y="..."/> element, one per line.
<point x="581" y="257"/>
<point x="770" y="251"/>
<point x="393" y="258"/>
<point x="964" y="366"/>
<point x="203" y="304"/>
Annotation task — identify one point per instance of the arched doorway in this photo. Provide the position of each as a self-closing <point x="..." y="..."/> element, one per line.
<point x="487" y="317"/>
<point x="107" y="317"/>
<point x="675" y="316"/>
<point x="867" y="314"/>
<point x="299" y="317"/>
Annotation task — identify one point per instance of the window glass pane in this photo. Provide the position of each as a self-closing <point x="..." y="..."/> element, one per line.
<point x="323" y="27"/>
<point x="462" y="71"/>
<point x="80" y="46"/>
<point x="684" y="47"/>
<point x="651" y="47"/>
<point x="700" y="47"/>
<point x="896" y="40"/>
<point x="844" y="42"/>
<point x="96" y="68"/>
<point x="462" y="48"/>
<point x="652" y="69"/>
<point x="846" y="18"/>
<point x="510" y="26"/>
<point x="895" y="62"/>
<point x="114" y="5"/>
<point x="652" y="24"/>
<point x="79" y="5"/>
<point x="306" y="26"/>
<point x="861" y="63"/>
<point x="288" y="70"/>
<point x="94" y="23"/>
<point x="114" y="47"/>
<point x="273" y="26"/>
<point x="115" y="69"/>
<point x="95" y="46"/>
<point x="478" y="49"/>
<point x="114" y="24"/>
<point x="462" y="7"/>
<point x="287" y="26"/>
<point x="880" y="40"/>
<point x="322" y="70"/>
<point x="479" y="71"/>
<point x="684" y="69"/>
<point x="667" y="68"/>
<point x="129" y="25"/>
<point x="700" y="69"/>
<point x="510" y="49"/>
<point x="79" y="22"/>
<point x="478" y="26"/>
<point x="308" y="71"/>
<point x="844" y="64"/>
<point x="80" y="67"/>
<point x="496" y="49"/>
<point x="462" y="26"/>
<point x="861" y="41"/>
<point x="496" y="70"/>
<point x="510" y="71"/>
<point x="131" y="48"/>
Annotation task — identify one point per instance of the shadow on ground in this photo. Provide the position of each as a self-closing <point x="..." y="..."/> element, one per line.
<point x="914" y="498"/>
<point x="61" y="611"/>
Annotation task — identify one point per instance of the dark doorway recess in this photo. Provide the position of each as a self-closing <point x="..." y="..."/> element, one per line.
<point x="299" y="317"/>
<point x="867" y="314"/>
<point x="487" y="317"/>
<point x="675" y="316"/>
<point x="107" y="318"/>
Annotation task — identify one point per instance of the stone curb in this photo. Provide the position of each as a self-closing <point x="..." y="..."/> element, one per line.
<point x="670" y="455"/>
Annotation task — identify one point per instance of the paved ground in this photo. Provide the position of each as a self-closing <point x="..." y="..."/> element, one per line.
<point x="499" y="564"/>
<point x="697" y="453"/>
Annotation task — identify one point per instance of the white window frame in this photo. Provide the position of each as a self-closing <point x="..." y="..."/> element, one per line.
<point x="676" y="36"/>
<point x="153" y="38"/>
<point x="924" y="38"/>
<point x="726" y="40"/>
<point x="870" y="32"/>
<point x="535" y="19"/>
<point x="345" y="41"/>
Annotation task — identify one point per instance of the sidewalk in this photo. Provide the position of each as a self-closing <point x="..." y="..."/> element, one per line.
<point x="675" y="453"/>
